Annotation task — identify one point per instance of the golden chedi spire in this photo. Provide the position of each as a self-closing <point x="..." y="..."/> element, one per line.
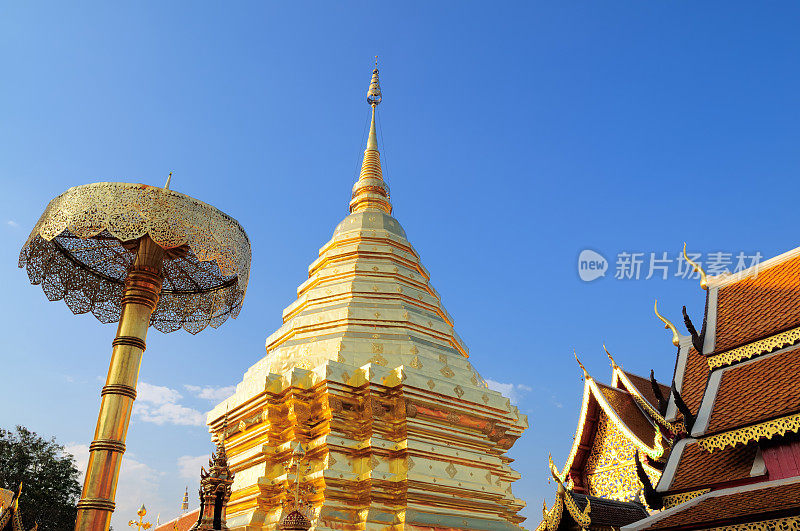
<point x="370" y="191"/>
<point x="368" y="347"/>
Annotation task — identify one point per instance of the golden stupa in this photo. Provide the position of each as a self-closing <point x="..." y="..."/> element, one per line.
<point x="368" y="374"/>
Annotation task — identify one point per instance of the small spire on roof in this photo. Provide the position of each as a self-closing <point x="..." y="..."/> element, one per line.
<point x="169" y="178"/>
<point x="185" y="502"/>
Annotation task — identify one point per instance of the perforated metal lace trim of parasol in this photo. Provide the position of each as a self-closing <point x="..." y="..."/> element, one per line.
<point x="84" y="244"/>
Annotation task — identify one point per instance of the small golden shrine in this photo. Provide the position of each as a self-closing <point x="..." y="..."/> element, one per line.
<point x="369" y="375"/>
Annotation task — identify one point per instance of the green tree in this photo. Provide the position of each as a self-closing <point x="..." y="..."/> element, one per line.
<point x="49" y="478"/>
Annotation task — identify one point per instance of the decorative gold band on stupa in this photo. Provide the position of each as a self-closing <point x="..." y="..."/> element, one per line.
<point x="370" y="191"/>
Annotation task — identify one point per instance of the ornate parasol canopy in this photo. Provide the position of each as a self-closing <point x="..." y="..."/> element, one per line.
<point x="86" y="242"/>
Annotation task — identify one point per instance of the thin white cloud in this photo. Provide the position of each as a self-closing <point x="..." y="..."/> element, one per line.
<point x="12" y="223"/>
<point x="215" y="394"/>
<point x="189" y="465"/>
<point x="514" y="392"/>
<point x="156" y="394"/>
<point x="159" y="405"/>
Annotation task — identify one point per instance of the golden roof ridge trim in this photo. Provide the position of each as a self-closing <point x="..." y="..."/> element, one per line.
<point x="755" y="348"/>
<point x="676" y="499"/>
<point x="619" y="374"/>
<point x="755" y="432"/>
<point x="651" y="411"/>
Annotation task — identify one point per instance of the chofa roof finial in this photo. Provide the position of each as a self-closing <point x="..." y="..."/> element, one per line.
<point x="676" y="338"/>
<point x="696" y="267"/>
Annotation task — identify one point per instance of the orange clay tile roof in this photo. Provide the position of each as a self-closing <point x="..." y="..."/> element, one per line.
<point x="184" y="522"/>
<point x="699" y="468"/>
<point x="646" y="390"/>
<point x="629" y="412"/>
<point x="695" y="378"/>
<point x="757" y="391"/>
<point x="759" y="306"/>
<point x="737" y="507"/>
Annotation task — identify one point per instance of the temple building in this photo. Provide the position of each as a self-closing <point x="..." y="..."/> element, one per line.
<point x="736" y="392"/>
<point x="10" y="514"/>
<point x="599" y="487"/>
<point x="369" y="375"/>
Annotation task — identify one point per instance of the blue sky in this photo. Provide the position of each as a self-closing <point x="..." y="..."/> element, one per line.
<point x="515" y="136"/>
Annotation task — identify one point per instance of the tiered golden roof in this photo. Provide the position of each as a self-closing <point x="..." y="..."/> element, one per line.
<point x="368" y="373"/>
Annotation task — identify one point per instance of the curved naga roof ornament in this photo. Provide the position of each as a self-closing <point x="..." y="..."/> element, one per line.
<point x="656" y="415"/>
<point x="552" y="519"/>
<point x="676" y="337"/>
<point x="697" y="268"/>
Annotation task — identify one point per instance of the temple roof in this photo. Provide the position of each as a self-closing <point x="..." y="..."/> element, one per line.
<point x="766" y="302"/>
<point x="756" y="391"/>
<point x="642" y="386"/>
<point x="693" y="370"/>
<point x="583" y="511"/>
<point x="605" y="512"/>
<point x="181" y="523"/>
<point x="625" y="412"/>
<point x="737" y="505"/>
<point x="742" y="390"/>
<point x="699" y="468"/>
<point x="10" y="515"/>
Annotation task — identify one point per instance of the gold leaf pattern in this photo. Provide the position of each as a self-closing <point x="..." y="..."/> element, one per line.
<point x="447" y="371"/>
<point x="451" y="470"/>
<point x="459" y="391"/>
<point x="377" y="348"/>
<point x="762" y="346"/>
<point x="677" y="499"/>
<point x="768" y="430"/>
<point x="431" y="384"/>
<point x="415" y="363"/>
<point x="377" y="359"/>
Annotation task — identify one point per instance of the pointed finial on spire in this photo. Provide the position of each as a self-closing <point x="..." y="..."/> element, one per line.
<point x="169" y="178"/>
<point x="676" y="338"/>
<point x="613" y="363"/>
<point x="374" y="91"/>
<point x="185" y="502"/>
<point x="370" y="191"/>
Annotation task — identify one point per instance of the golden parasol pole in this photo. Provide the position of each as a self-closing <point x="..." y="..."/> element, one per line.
<point x="139" y="300"/>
